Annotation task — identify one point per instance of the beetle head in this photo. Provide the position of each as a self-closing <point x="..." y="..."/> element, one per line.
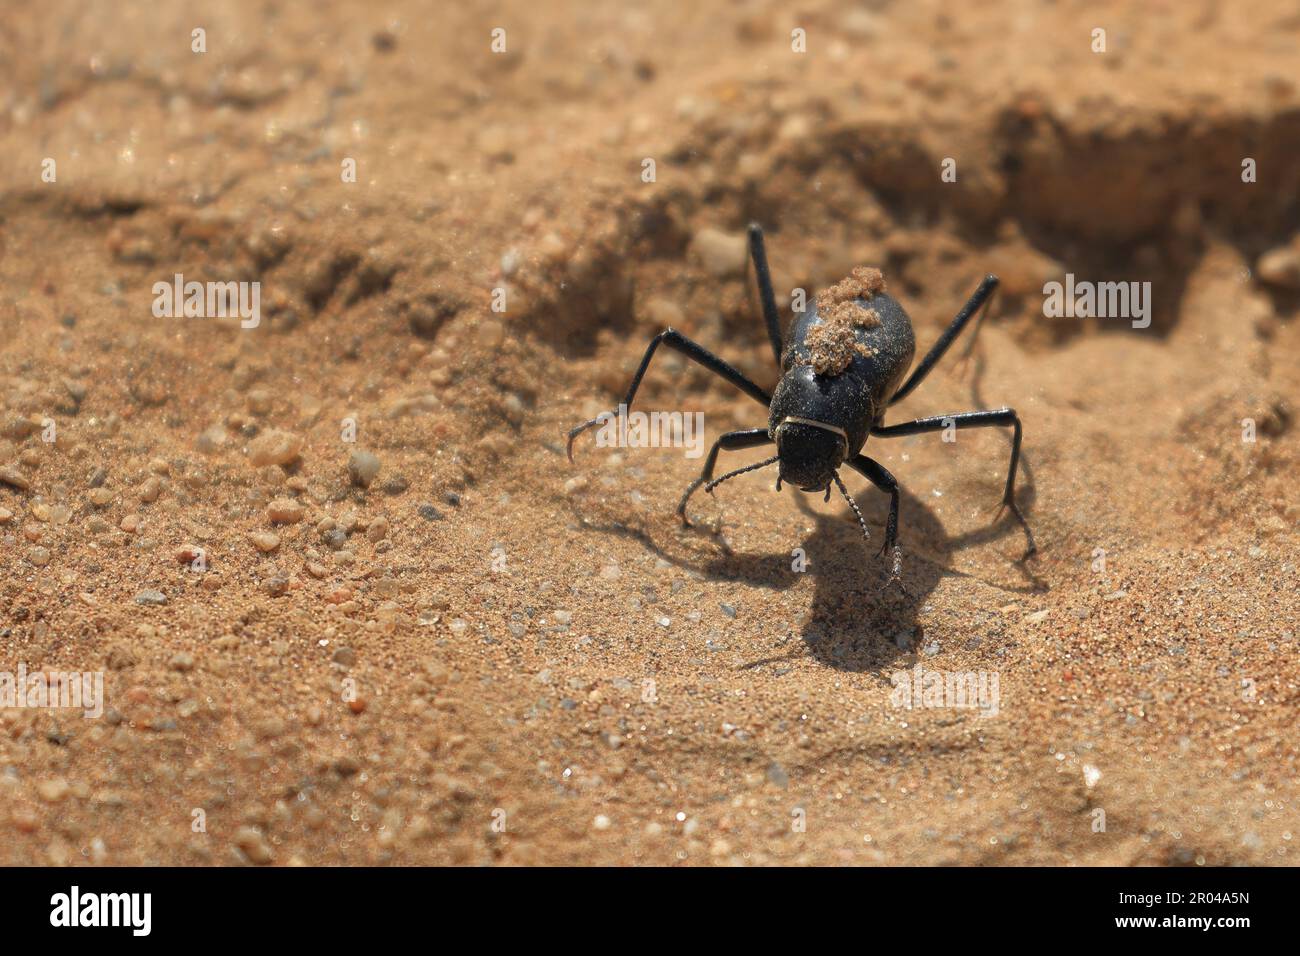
<point x="809" y="453"/>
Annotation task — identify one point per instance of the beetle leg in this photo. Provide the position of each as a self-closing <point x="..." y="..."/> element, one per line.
<point x="876" y="473"/>
<point x="693" y="351"/>
<point x="994" y="417"/>
<point x="758" y="252"/>
<point x="745" y="438"/>
<point x="933" y="356"/>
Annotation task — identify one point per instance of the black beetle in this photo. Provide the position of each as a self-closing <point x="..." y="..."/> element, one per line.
<point x="842" y="368"/>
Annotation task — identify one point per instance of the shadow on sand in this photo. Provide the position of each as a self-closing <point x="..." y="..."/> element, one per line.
<point x="858" y="620"/>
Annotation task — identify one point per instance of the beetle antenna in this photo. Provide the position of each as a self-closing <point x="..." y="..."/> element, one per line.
<point x="852" y="504"/>
<point x="740" y="471"/>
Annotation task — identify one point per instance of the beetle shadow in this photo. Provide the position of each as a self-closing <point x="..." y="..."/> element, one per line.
<point x="858" y="619"/>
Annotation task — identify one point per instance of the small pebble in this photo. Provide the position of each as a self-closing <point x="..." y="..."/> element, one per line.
<point x="11" y="477"/>
<point x="363" y="466"/>
<point x="1280" y="267"/>
<point x="284" y="511"/>
<point x="211" y="440"/>
<point x="722" y="254"/>
<point x="56" y="514"/>
<point x="53" y="790"/>
<point x="259" y="401"/>
<point x="265" y="541"/>
<point x="274" y="447"/>
<point x="253" y="846"/>
<point x="150" y="490"/>
<point x="151" y="597"/>
<point x="664" y="313"/>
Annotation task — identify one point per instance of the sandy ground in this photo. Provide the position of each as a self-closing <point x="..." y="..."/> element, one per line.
<point x="490" y="656"/>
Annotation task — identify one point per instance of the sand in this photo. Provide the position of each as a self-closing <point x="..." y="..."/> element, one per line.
<point x="351" y="603"/>
<point x="832" y="344"/>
